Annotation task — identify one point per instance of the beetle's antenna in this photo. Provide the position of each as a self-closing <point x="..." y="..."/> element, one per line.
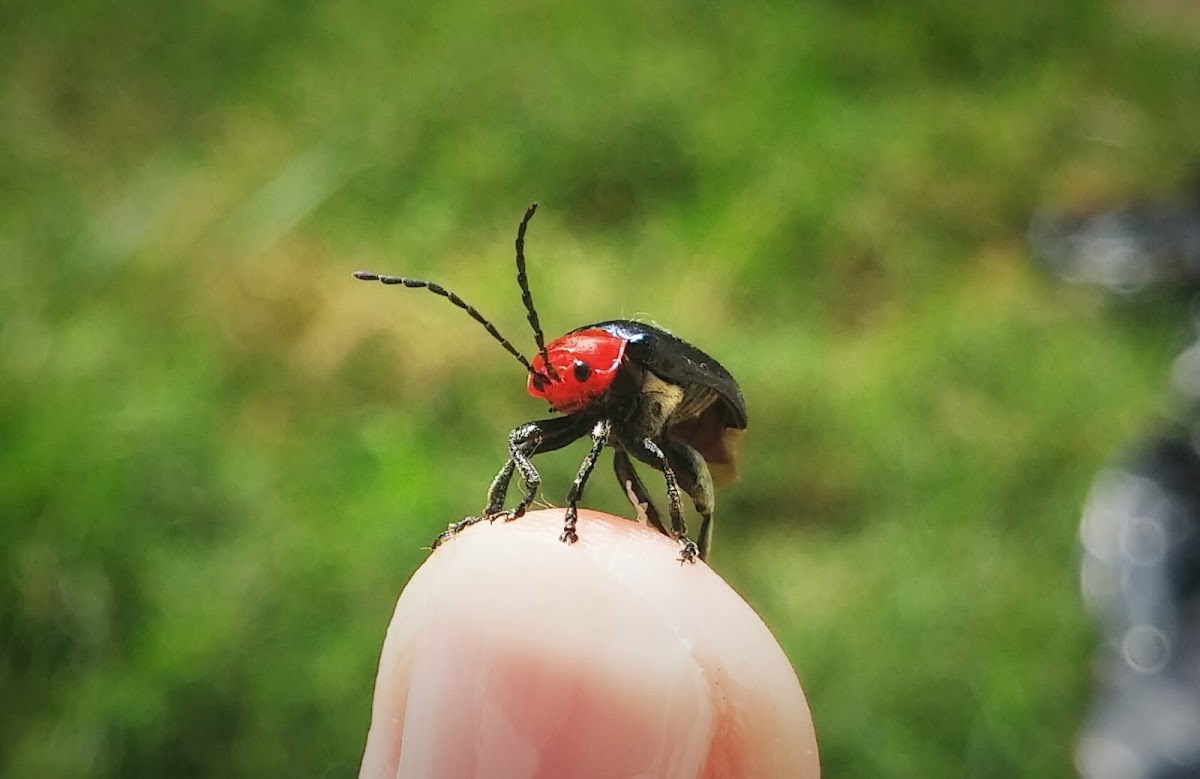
<point x="437" y="289"/>
<point x="527" y="296"/>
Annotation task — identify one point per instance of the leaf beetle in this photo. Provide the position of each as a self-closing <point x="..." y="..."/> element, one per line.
<point x="627" y="385"/>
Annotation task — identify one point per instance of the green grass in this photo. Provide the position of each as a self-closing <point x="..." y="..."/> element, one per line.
<point x="220" y="456"/>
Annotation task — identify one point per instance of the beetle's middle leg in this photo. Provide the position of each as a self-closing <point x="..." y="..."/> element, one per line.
<point x="600" y="433"/>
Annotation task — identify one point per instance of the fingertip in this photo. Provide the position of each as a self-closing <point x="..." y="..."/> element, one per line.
<point x="510" y="648"/>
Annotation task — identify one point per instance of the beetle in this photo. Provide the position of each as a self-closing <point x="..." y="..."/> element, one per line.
<point x="628" y="385"/>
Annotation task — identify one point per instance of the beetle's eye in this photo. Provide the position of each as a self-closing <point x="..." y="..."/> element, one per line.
<point x="583" y="371"/>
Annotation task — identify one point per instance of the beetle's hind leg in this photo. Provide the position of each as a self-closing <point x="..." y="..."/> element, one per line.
<point x="600" y="434"/>
<point x="696" y="480"/>
<point x="649" y="452"/>
<point x="635" y="489"/>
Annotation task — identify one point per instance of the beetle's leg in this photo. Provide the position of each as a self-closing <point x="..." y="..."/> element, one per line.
<point x="635" y="490"/>
<point x="498" y="490"/>
<point x="544" y="435"/>
<point x="522" y="442"/>
<point x="649" y="452"/>
<point x="656" y="457"/>
<point x="600" y="434"/>
<point x="696" y="480"/>
<point x="454" y="529"/>
<point x="529" y="439"/>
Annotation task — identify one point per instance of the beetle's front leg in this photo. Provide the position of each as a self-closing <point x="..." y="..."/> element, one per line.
<point x="524" y="442"/>
<point x="600" y="434"/>
<point x="544" y="435"/>
<point x="498" y="491"/>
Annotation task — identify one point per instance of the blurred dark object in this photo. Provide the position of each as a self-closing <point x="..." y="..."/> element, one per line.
<point x="1126" y="249"/>
<point x="1141" y="577"/>
<point x="1140" y="531"/>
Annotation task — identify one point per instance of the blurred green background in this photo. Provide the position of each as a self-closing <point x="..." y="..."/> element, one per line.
<point x="220" y="456"/>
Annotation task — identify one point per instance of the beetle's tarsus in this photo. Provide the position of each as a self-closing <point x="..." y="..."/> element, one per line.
<point x="453" y="529"/>
<point x="690" y="553"/>
<point x="572" y="516"/>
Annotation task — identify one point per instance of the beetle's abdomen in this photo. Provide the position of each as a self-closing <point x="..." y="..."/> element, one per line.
<point x="701" y="420"/>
